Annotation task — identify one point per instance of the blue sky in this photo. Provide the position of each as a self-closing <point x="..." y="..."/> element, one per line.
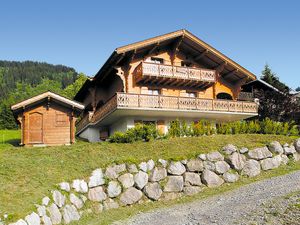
<point x="83" y="34"/>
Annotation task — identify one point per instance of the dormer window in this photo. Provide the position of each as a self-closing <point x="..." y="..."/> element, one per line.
<point x="153" y="91"/>
<point x="186" y="64"/>
<point x="157" y="60"/>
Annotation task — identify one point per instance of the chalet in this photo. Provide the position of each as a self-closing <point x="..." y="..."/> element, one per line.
<point x="157" y="80"/>
<point x="47" y="119"/>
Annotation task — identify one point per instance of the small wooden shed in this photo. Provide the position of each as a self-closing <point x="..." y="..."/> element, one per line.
<point x="47" y="119"/>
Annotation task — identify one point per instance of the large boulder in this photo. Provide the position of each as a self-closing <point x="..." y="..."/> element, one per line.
<point x="97" y="194"/>
<point x="230" y="177"/>
<point x="45" y="200"/>
<point x="157" y="174"/>
<point x="46" y="220"/>
<point x="260" y="153"/>
<point x="96" y="179"/>
<point x="174" y="184"/>
<point x="297" y="145"/>
<point x="251" y="168"/>
<point x="153" y="191"/>
<point x="70" y="214"/>
<point x="140" y="179"/>
<point x="163" y="162"/>
<point x="78" y="202"/>
<point x="143" y="166"/>
<point x="276" y="147"/>
<point x="192" y="179"/>
<point x="271" y="163"/>
<point x="112" y="172"/>
<point x="132" y="168"/>
<point x="191" y="190"/>
<point x="176" y="168"/>
<point x="65" y="186"/>
<point x="215" y="156"/>
<point x="80" y="186"/>
<point x="131" y="196"/>
<point x="150" y="165"/>
<point x="236" y="160"/>
<point x="202" y="156"/>
<point x="289" y="150"/>
<point x="33" y="219"/>
<point x="221" y="167"/>
<point x="211" y="179"/>
<point x="41" y="210"/>
<point x="209" y="165"/>
<point x="54" y="214"/>
<point x="296" y="156"/>
<point x="114" y="189"/>
<point x="229" y="149"/>
<point x="110" y="204"/>
<point x="284" y="159"/>
<point x="195" y="165"/>
<point x="19" y="222"/>
<point x="244" y="150"/>
<point x="58" y="198"/>
<point x="126" y="180"/>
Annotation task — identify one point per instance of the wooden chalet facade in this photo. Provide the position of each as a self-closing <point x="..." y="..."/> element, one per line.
<point x="47" y="119"/>
<point x="157" y="80"/>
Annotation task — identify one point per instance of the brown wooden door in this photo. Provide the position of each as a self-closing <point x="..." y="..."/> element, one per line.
<point x="35" y="128"/>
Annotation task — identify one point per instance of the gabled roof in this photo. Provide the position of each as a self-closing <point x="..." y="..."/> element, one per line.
<point x="183" y="41"/>
<point x="46" y="95"/>
<point x="184" y="34"/>
<point x="263" y="83"/>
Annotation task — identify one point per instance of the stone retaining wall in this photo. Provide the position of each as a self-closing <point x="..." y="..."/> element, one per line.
<point x="126" y="184"/>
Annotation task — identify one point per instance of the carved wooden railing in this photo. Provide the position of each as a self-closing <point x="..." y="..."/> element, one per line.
<point x="169" y="102"/>
<point x="83" y="122"/>
<point x="245" y="96"/>
<point x="178" y="72"/>
<point x="142" y="101"/>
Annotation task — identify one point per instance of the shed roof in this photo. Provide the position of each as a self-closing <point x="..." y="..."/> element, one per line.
<point x="45" y="95"/>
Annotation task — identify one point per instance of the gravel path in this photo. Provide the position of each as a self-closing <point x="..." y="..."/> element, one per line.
<point x="229" y="208"/>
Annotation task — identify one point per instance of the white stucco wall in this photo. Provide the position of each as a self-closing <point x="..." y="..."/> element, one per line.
<point x="91" y="134"/>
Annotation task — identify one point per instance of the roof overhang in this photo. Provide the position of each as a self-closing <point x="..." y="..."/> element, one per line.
<point x="47" y="95"/>
<point x="183" y="40"/>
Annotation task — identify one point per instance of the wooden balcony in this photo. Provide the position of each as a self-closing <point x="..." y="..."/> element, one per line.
<point x="168" y="103"/>
<point x="152" y="74"/>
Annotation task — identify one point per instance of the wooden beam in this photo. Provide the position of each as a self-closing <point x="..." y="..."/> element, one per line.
<point x="176" y="46"/>
<point x="204" y="53"/>
<point x="220" y="67"/>
<point x="153" y="49"/>
<point x="230" y="73"/>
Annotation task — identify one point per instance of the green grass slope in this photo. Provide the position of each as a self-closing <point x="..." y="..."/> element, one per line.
<point x="28" y="174"/>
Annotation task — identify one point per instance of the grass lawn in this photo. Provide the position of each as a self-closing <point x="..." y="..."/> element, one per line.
<point x="27" y="174"/>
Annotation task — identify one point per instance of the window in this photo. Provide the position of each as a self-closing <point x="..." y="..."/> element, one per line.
<point x="61" y="120"/>
<point x="191" y="94"/>
<point x="224" y="95"/>
<point x="157" y="60"/>
<point x="186" y="64"/>
<point x="153" y="91"/>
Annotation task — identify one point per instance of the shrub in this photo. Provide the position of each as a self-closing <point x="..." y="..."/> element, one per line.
<point x="180" y="128"/>
<point x="174" y="130"/>
<point x="138" y="133"/>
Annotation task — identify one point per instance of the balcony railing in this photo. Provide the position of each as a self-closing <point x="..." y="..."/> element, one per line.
<point x="246" y="96"/>
<point x="180" y="76"/>
<point x="141" y="101"/>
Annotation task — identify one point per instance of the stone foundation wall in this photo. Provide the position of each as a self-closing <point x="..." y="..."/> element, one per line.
<point x="126" y="184"/>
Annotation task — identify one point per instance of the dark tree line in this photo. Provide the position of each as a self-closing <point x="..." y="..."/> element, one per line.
<point x="21" y="80"/>
<point x="32" y="73"/>
<point x="277" y="105"/>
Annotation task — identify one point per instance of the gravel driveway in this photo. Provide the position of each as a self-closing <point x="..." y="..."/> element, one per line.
<point x="229" y="208"/>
